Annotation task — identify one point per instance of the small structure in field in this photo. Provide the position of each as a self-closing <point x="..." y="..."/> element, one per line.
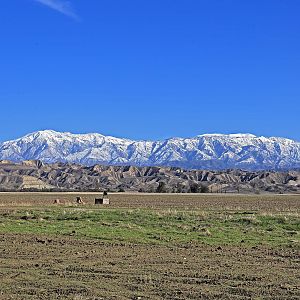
<point x="102" y="201"/>
<point x="79" y="200"/>
<point x="56" y="201"/>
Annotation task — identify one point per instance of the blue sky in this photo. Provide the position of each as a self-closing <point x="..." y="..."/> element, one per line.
<point x="150" y="69"/>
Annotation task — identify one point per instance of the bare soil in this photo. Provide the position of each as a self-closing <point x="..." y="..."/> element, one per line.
<point x="39" y="267"/>
<point x="275" y="203"/>
<point x="44" y="266"/>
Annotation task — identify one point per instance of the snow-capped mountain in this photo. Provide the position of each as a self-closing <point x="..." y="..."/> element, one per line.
<point x="208" y="151"/>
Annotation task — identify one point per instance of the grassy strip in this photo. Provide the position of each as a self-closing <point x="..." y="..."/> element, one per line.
<point x="157" y="227"/>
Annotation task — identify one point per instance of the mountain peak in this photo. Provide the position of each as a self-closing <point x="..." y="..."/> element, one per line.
<point x="232" y="135"/>
<point x="206" y="151"/>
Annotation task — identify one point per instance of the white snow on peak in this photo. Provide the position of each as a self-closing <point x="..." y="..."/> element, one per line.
<point x="214" y="151"/>
<point x="232" y="135"/>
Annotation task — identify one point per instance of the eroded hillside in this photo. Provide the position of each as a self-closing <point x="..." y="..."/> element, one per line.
<point x="35" y="175"/>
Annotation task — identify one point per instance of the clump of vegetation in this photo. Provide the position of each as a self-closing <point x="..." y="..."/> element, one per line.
<point x="198" y="188"/>
<point x="161" y="187"/>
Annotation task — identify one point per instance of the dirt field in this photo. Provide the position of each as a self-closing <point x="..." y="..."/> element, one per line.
<point x="267" y="202"/>
<point x="150" y="247"/>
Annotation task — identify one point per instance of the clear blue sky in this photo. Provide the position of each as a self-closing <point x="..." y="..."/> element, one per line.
<point x="150" y="69"/>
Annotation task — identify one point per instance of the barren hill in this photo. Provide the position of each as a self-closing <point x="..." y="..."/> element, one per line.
<point x="35" y="175"/>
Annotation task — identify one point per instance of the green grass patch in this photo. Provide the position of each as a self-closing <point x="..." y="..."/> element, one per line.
<point x="146" y="226"/>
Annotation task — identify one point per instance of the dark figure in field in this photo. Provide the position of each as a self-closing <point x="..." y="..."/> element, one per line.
<point x="79" y="200"/>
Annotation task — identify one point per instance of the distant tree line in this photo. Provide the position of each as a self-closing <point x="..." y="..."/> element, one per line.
<point x="193" y="187"/>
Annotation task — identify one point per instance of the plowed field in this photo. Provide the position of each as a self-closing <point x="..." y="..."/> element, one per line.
<point x="149" y="247"/>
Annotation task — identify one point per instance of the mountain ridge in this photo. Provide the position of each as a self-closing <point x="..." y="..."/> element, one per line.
<point x="34" y="175"/>
<point x="206" y="151"/>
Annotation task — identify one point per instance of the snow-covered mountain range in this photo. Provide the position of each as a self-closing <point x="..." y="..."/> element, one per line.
<point x="208" y="151"/>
